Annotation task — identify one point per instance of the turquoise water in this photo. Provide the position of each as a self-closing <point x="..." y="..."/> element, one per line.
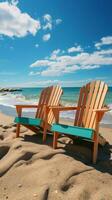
<point x="31" y="96"/>
<point x="70" y="95"/>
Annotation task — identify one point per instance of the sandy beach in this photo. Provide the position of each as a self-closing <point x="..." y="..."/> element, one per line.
<point x="30" y="170"/>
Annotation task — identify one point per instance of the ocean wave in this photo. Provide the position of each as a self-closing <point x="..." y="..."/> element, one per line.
<point x="9" y="100"/>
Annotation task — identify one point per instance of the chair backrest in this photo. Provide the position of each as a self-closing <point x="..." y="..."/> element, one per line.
<point x="91" y="97"/>
<point x="51" y="97"/>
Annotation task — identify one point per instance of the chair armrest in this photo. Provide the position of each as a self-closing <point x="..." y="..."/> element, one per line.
<point x="102" y="110"/>
<point x="29" y="106"/>
<point x="62" y="108"/>
<point x="20" y="107"/>
<point x="57" y="109"/>
<point x="100" y="113"/>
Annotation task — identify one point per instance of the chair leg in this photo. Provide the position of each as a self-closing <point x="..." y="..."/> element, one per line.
<point x="18" y="130"/>
<point x="95" y="150"/>
<point x="44" y="135"/>
<point x="55" y="138"/>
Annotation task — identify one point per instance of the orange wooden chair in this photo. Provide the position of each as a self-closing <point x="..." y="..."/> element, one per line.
<point x="89" y="112"/>
<point x="44" y="117"/>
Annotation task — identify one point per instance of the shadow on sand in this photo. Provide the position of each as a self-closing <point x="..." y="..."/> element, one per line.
<point x="80" y="150"/>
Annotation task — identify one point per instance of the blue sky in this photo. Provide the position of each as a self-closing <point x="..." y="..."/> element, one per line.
<point x="47" y="42"/>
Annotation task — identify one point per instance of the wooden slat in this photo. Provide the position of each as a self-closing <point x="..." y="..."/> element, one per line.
<point x="103" y="95"/>
<point x="79" y="106"/>
<point x="54" y="102"/>
<point x="44" y="96"/>
<point x="46" y="100"/>
<point x="51" y="97"/>
<point x="85" y="95"/>
<point x="59" y="92"/>
<point x="101" y="102"/>
<point x="91" y="97"/>
<point x="95" y="106"/>
<point x="91" y="88"/>
<point x="42" y="101"/>
<point x="94" y="95"/>
<point x="51" y="102"/>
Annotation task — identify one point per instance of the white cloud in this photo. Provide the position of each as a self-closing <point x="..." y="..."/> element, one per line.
<point x="58" y="21"/>
<point x="71" y="69"/>
<point x="14" y="23"/>
<point x="54" y="54"/>
<point x="97" y="45"/>
<point x="56" y="65"/>
<point x="104" y="52"/>
<point x="47" y="17"/>
<point x="46" y="37"/>
<point x="90" y="67"/>
<point x="47" y="26"/>
<point x="34" y="73"/>
<point x="56" y="51"/>
<point x="107" y="40"/>
<point x="14" y="2"/>
<point x="40" y="63"/>
<point x="104" y="41"/>
<point x="75" y="49"/>
<point x="48" y="22"/>
<point x="51" y="72"/>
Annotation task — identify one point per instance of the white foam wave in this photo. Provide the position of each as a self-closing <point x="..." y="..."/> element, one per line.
<point x="9" y="100"/>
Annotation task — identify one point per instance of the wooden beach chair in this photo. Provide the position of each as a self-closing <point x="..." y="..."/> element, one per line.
<point x="44" y="117"/>
<point x="89" y="112"/>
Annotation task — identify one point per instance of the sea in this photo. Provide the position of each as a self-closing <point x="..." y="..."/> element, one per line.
<point x="8" y="100"/>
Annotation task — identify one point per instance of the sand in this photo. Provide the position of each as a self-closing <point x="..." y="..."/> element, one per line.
<point x="30" y="170"/>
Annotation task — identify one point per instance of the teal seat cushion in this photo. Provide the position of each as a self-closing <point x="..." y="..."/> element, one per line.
<point x="28" y="121"/>
<point x="73" y="130"/>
